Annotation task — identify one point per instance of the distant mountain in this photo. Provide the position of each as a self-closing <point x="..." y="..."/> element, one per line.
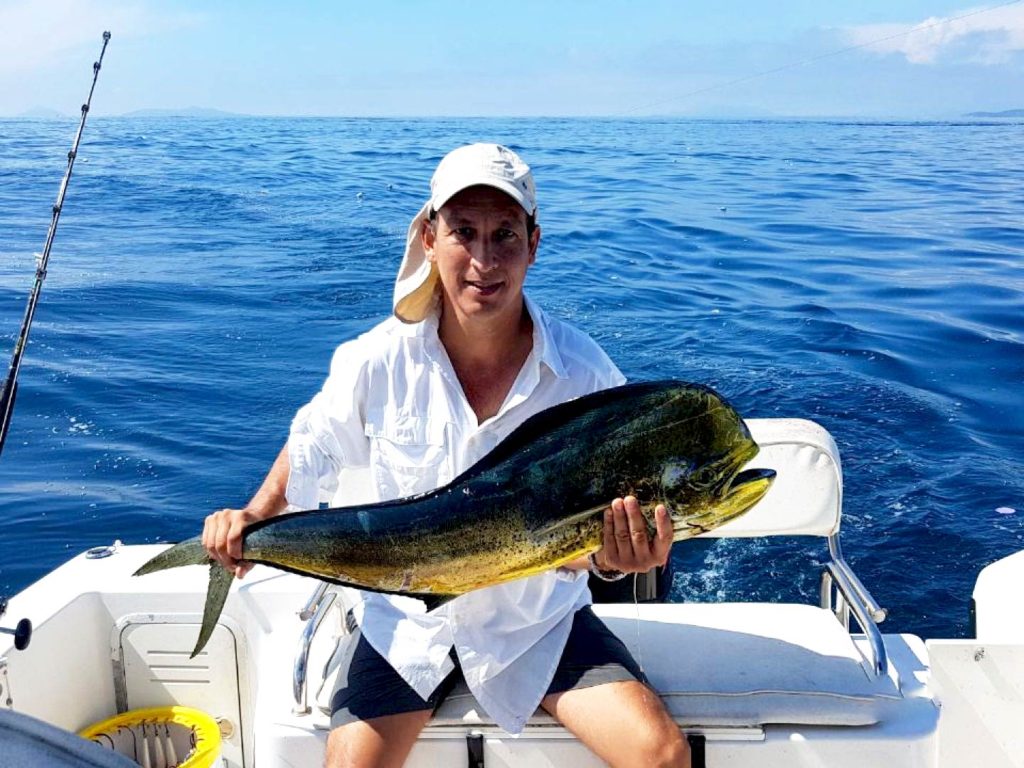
<point x="1004" y="113"/>
<point x="44" y="112"/>
<point x="182" y="112"/>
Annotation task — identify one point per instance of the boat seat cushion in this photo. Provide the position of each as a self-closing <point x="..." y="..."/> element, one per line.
<point x="806" y="497"/>
<point x="736" y="664"/>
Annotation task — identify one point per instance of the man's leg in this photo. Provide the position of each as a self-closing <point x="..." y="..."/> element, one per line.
<point x="623" y="723"/>
<point x="375" y="715"/>
<point x="382" y="742"/>
<point x="598" y="692"/>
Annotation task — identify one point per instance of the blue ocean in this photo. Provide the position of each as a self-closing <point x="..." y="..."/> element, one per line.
<point x="866" y="275"/>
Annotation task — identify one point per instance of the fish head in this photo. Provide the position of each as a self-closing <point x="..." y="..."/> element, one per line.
<point x="704" y="482"/>
<point x="703" y="498"/>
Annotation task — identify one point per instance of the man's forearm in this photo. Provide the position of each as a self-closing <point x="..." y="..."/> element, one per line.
<point x="270" y="499"/>
<point x="579" y="564"/>
<point x="583" y="563"/>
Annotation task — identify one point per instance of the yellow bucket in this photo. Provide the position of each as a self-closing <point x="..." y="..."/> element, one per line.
<point x="160" y="737"/>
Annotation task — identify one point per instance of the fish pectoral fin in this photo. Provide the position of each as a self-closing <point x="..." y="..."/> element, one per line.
<point x="216" y="596"/>
<point x="579" y="517"/>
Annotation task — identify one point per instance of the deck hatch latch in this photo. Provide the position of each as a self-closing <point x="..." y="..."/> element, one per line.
<point x="475" y="749"/>
<point x="696" y="741"/>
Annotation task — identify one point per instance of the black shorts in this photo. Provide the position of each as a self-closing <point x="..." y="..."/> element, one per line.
<point x="367" y="686"/>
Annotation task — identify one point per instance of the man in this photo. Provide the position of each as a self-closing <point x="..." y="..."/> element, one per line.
<point x="416" y="401"/>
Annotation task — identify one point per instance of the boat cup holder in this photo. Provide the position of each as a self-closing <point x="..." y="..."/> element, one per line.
<point x="22" y="632"/>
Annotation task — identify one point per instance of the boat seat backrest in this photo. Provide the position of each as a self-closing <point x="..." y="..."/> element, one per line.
<point x="806" y="497"/>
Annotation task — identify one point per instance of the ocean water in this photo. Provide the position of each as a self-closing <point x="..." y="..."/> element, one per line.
<point x="869" y="276"/>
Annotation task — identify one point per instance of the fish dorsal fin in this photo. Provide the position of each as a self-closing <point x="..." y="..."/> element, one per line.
<point x="553" y="425"/>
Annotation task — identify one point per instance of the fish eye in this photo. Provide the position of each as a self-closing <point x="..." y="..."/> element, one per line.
<point x="704" y="477"/>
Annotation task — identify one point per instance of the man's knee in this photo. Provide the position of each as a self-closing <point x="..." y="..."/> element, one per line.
<point x="331" y="759"/>
<point x="347" y="748"/>
<point x="663" y="745"/>
<point x="335" y="756"/>
<point x="660" y="741"/>
<point x="381" y="742"/>
<point x="675" y="752"/>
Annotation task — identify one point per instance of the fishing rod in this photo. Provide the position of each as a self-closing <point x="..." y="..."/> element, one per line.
<point x="10" y="389"/>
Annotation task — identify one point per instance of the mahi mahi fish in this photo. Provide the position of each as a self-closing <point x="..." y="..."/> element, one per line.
<point x="533" y="503"/>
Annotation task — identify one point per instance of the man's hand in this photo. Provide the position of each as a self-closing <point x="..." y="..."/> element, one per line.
<point x="627" y="547"/>
<point x="222" y="537"/>
<point x="222" y="531"/>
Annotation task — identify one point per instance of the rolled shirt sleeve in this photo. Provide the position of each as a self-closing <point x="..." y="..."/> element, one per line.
<point x="327" y="434"/>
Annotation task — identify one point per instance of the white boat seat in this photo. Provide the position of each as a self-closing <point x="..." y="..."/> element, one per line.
<point x="710" y="664"/>
<point x="806" y="497"/>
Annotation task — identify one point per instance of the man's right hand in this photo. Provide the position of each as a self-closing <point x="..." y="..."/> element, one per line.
<point x="222" y="531"/>
<point x="222" y="537"/>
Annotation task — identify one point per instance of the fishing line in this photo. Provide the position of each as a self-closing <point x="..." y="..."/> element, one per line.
<point x="10" y="388"/>
<point x="813" y="59"/>
<point x="636" y="611"/>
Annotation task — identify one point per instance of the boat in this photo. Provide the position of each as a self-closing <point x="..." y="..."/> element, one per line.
<point x="751" y="684"/>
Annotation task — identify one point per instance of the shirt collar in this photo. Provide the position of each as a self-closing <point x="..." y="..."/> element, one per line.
<point x="545" y="349"/>
<point x="544" y="346"/>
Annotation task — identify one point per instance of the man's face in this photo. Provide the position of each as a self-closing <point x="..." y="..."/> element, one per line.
<point x="480" y="245"/>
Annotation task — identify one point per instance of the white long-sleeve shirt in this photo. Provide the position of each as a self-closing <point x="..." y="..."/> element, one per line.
<point x="393" y="405"/>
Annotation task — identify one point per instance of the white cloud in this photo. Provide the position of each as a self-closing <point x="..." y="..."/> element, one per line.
<point x="39" y="34"/>
<point x="977" y="35"/>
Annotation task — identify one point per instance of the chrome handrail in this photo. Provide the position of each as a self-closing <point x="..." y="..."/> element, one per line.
<point x="314" y="600"/>
<point x="316" y="609"/>
<point x="876" y="612"/>
<point x="853" y="602"/>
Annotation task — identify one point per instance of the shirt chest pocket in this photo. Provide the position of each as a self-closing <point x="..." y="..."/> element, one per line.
<point x="408" y="455"/>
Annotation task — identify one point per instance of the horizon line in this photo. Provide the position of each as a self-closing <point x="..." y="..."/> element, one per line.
<point x="209" y="114"/>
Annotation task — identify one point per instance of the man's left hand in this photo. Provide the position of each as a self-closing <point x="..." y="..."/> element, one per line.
<point x="627" y="547"/>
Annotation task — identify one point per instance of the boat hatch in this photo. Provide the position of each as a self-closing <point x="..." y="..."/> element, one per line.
<point x="152" y="668"/>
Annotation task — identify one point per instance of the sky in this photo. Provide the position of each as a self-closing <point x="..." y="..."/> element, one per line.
<point x="729" y="58"/>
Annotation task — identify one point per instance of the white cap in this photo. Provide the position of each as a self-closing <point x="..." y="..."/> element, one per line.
<point x="491" y="165"/>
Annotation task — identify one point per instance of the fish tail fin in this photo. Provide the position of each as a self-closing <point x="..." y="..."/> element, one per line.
<point x="188" y="552"/>
<point x="216" y="595"/>
<point x="192" y="552"/>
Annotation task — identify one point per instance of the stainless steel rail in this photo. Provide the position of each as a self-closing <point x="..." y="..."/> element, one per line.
<point x="853" y="597"/>
<point x="314" y="600"/>
<point x="317" y="607"/>
<point x="877" y="613"/>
